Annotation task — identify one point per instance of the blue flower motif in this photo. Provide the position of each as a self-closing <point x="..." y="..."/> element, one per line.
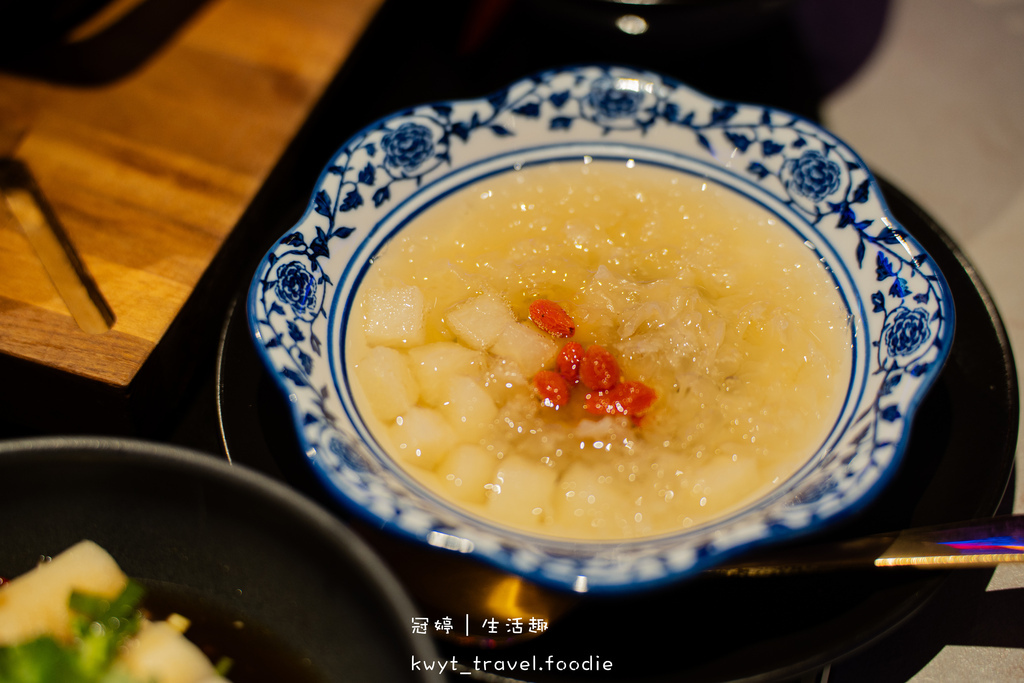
<point x="296" y="287"/>
<point x="407" y="147"/>
<point x="813" y="176"/>
<point x="907" y="332"/>
<point x="817" y="491"/>
<point x="612" y="102"/>
<point x="346" y="454"/>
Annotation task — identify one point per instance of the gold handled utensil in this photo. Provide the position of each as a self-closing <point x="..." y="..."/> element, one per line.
<point x="976" y="543"/>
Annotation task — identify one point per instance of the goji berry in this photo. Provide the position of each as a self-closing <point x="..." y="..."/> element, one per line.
<point x="599" y="403"/>
<point x="569" y="360"/>
<point x="632" y="399"/>
<point x="552" y="318"/>
<point x="599" y="371"/>
<point x="552" y="388"/>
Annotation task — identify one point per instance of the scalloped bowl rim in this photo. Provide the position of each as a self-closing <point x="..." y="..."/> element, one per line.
<point x="565" y="563"/>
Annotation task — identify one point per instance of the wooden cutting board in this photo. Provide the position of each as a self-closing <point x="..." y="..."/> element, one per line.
<point x="149" y="174"/>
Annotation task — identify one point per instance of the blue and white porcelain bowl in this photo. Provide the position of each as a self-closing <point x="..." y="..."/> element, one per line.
<point x="899" y="305"/>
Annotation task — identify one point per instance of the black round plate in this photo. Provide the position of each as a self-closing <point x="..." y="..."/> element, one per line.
<point x="957" y="466"/>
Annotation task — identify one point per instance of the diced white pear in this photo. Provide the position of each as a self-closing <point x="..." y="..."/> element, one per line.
<point x="466" y="470"/>
<point x="161" y="653"/>
<point x="387" y="381"/>
<point x="393" y="316"/>
<point x="36" y="603"/>
<point x="503" y="380"/>
<point x="590" y="502"/>
<point x="478" y="322"/>
<point x="527" y="347"/>
<point x="521" y="491"/>
<point x="422" y="436"/>
<point x="434" y="364"/>
<point x="468" y="407"/>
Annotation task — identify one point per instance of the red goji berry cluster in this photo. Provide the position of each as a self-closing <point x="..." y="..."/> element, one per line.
<point x="608" y="393"/>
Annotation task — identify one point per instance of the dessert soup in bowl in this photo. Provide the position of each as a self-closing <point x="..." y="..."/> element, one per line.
<point x="598" y="329"/>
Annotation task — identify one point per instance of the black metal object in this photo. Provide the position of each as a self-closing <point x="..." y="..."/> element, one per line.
<point x="38" y="38"/>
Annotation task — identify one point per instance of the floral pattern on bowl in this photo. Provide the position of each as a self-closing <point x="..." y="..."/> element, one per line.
<point x="900" y="306"/>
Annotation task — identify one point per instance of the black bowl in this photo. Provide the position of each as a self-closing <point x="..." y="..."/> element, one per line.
<point x="221" y="544"/>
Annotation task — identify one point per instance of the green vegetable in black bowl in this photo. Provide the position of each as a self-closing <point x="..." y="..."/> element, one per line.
<point x="78" y="619"/>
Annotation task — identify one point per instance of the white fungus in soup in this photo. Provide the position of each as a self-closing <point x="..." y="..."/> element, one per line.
<point x="716" y="312"/>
